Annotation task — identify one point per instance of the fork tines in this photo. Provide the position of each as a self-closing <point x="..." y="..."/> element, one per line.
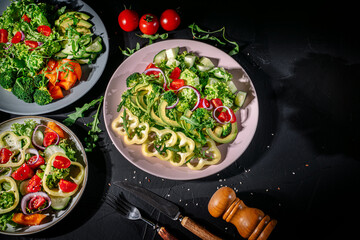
<point x="117" y="203"/>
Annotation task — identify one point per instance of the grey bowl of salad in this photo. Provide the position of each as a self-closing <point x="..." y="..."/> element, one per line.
<point x="43" y="173"/>
<point x="51" y="54"/>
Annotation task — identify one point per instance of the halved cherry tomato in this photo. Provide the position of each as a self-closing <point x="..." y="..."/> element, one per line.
<point x="232" y="115"/>
<point x="204" y="103"/>
<point x="16" y="38"/>
<point x="49" y="139"/>
<point x="61" y="162"/>
<point x="151" y="65"/>
<point x="128" y="20"/>
<point x="40" y="162"/>
<point x="32" y="44"/>
<point x="216" y="102"/>
<point x="149" y="24"/>
<point x="56" y="128"/>
<point x="23" y="172"/>
<point x="175" y="74"/>
<point x="3" y="36"/>
<point x="44" y="30"/>
<point x="176" y="84"/>
<point x="224" y="117"/>
<point x="169" y="20"/>
<point x="36" y="202"/>
<point x="26" y="18"/>
<point x="5" y="155"/>
<point x="34" y="184"/>
<point x="67" y="186"/>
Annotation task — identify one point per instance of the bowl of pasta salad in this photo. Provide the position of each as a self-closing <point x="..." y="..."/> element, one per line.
<point x="43" y="173"/>
<point x="181" y="109"/>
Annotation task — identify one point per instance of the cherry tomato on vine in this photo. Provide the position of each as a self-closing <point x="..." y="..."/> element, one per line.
<point x="128" y="20"/>
<point x="149" y="24"/>
<point x="170" y="20"/>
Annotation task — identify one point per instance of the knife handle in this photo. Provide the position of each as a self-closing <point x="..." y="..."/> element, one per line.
<point x="197" y="229"/>
<point x="164" y="234"/>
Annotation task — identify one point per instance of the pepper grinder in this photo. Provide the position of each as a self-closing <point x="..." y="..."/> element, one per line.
<point x="251" y="223"/>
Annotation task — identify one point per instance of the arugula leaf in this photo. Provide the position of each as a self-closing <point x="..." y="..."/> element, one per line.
<point x="196" y="29"/>
<point x="128" y="52"/>
<point x="79" y="112"/>
<point x="93" y="133"/>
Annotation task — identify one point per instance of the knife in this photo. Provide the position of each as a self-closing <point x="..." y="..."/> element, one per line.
<point x="168" y="208"/>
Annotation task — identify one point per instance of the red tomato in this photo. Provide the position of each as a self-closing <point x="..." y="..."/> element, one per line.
<point x="36" y="202"/>
<point x="175" y="74"/>
<point x="151" y="65"/>
<point x="176" y="84"/>
<point x="67" y="186"/>
<point x="49" y="139"/>
<point x="3" y="36"/>
<point x="34" y="184"/>
<point x="44" y="30"/>
<point x="128" y="20"/>
<point x="5" y="155"/>
<point x="224" y="117"/>
<point x="170" y="20"/>
<point x="16" y="38"/>
<point x="231" y="114"/>
<point x="40" y="162"/>
<point x="149" y="24"/>
<point x="204" y="103"/>
<point x="61" y="162"/>
<point x="32" y="44"/>
<point x="26" y="18"/>
<point x="23" y="172"/>
<point x="216" y="102"/>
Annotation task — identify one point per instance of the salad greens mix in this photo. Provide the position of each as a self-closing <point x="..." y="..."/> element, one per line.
<point x="40" y="172"/>
<point x="190" y="99"/>
<point x="34" y="37"/>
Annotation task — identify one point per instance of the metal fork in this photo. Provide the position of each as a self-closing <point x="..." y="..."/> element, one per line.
<point x="129" y="211"/>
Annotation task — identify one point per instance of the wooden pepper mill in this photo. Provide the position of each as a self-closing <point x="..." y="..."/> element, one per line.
<point x="251" y="223"/>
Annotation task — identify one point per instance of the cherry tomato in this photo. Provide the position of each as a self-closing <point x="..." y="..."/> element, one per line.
<point x="204" y="103"/>
<point x="170" y="20"/>
<point x="151" y="65"/>
<point x="40" y="162"/>
<point x="44" y="30"/>
<point x="49" y="139"/>
<point x="3" y="36"/>
<point x="176" y="84"/>
<point x="175" y="74"/>
<point x="32" y="44"/>
<point x="149" y="24"/>
<point x="16" y="38"/>
<point x="216" y="102"/>
<point x="26" y="18"/>
<point x="61" y="162"/>
<point x="5" y="155"/>
<point x="34" y="184"/>
<point x="231" y="114"/>
<point x="128" y="20"/>
<point x="224" y="117"/>
<point x="67" y="186"/>
<point x="23" y="172"/>
<point x="36" y="202"/>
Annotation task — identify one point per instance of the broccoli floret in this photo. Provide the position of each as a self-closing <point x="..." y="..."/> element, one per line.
<point x="24" y="89"/>
<point x="182" y="106"/>
<point x="220" y="90"/>
<point x="133" y="79"/>
<point x="7" y="79"/>
<point x="42" y="96"/>
<point x="170" y="97"/>
<point x="40" y="81"/>
<point x="201" y="114"/>
<point x="226" y="129"/>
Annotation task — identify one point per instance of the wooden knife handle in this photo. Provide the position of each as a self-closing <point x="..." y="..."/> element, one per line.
<point x="198" y="230"/>
<point x="164" y="234"/>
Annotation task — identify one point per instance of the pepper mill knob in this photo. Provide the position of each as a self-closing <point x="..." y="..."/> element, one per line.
<point x="251" y="223"/>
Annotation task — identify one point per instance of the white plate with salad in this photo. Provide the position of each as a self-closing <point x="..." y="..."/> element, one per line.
<point x="43" y="174"/>
<point x="52" y="53"/>
<point x="181" y="109"/>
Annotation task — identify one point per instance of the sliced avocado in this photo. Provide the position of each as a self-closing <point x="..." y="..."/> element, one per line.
<point x="156" y="118"/>
<point x="140" y="100"/>
<point x="162" y="113"/>
<point x="184" y="124"/>
<point x="228" y="138"/>
<point x="83" y="30"/>
<point x="80" y="23"/>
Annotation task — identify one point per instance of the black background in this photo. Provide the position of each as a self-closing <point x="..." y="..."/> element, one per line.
<point x="302" y="167"/>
